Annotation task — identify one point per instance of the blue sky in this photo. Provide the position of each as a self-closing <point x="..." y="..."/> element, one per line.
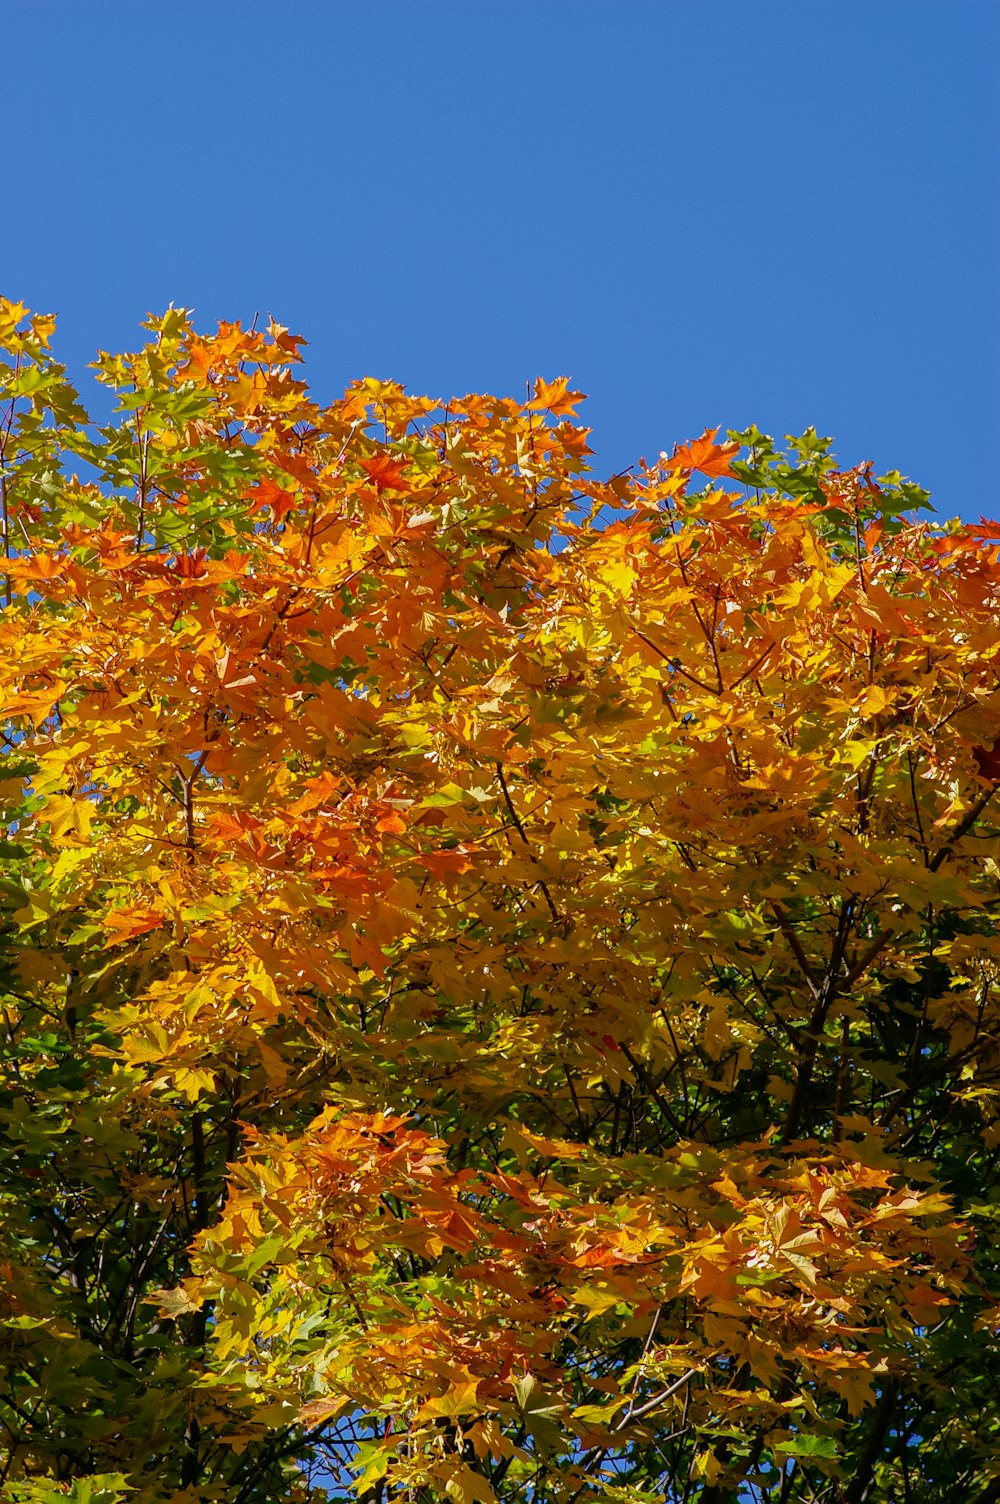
<point x="704" y="211"/>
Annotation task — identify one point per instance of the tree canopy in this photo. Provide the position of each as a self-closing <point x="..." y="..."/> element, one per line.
<point x="499" y="979"/>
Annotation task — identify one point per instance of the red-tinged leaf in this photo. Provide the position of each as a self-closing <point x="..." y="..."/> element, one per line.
<point x="202" y="356"/>
<point x="297" y="466"/>
<point x="126" y="924"/>
<point x="986" y="529"/>
<point x="365" y="953"/>
<point x="987" y="760"/>
<point x="448" y="861"/>
<point x="385" y="473"/>
<point x="190" y="566"/>
<point x="705" y="455"/>
<point x="318" y="791"/>
<point x="233" y="827"/>
<point x="266" y="494"/>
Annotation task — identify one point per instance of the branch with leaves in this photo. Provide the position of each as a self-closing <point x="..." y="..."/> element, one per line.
<point x="500" y="966"/>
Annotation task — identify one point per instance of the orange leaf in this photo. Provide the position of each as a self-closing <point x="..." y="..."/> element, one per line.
<point x="386" y="474"/>
<point x="266" y="494"/>
<point x="125" y="924"/>
<point x="555" y="396"/>
<point x="704" y="454"/>
<point x="448" y="861"/>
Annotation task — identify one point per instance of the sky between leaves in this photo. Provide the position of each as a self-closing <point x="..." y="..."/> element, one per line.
<point x="704" y="211"/>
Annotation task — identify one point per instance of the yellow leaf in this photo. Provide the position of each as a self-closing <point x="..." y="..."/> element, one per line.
<point x="467" y="1486"/>
<point x="718" y="1033"/>
<point x="458" y="1399"/>
<point x="69" y="819"/>
<point x="183" y="1300"/>
<point x="193" y="1082"/>
<point x="706" y="1465"/>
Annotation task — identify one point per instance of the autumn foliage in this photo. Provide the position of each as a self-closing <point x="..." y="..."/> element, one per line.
<point x="500" y="970"/>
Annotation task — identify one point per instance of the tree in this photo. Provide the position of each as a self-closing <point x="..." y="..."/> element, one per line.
<point x="500" y="972"/>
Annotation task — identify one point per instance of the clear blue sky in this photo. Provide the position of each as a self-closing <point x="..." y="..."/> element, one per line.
<point x="704" y="211"/>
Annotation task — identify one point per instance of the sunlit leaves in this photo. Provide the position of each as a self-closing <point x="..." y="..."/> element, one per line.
<point x="497" y="1004"/>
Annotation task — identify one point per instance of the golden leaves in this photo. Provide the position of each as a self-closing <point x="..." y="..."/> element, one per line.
<point x="549" y="926"/>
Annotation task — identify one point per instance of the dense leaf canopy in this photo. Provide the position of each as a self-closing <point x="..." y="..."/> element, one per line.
<point x="500" y="972"/>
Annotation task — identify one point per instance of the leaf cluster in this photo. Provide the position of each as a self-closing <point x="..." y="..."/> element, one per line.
<point x="499" y="985"/>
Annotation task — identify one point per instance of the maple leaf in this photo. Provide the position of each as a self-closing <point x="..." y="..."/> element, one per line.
<point x="458" y="1399"/>
<point x="385" y="473"/>
<point x="703" y="454"/>
<point x="180" y="1301"/>
<point x="69" y="819"/>
<point x="555" y="396"/>
<point x="126" y="924"/>
<point x="39" y="567"/>
<point x="266" y="494"/>
<point x="987" y="760"/>
<point x="448" y="861"/>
